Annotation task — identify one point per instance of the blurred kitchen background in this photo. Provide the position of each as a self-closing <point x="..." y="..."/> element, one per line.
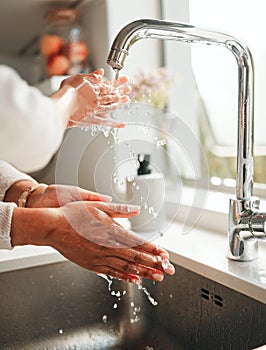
<point x="203" y="94"/>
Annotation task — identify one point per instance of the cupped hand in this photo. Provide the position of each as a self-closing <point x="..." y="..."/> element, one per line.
<point x="95" y="98"/>
<point x="58" y="195"/>
<point x="88" y="235"/>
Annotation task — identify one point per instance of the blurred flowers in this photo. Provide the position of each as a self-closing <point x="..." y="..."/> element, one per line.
<point x="152" y="87"/>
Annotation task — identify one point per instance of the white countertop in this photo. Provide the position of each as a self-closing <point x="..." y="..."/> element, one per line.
<point x="204" y="252"/>
<point x="200" y="251"/>
<point x="27" y="256"/>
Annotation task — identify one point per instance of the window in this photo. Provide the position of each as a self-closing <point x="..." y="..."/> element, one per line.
<point x="206" y="95"/>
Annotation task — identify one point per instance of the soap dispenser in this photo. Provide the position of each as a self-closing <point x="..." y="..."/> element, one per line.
<point x="147" y="190"/>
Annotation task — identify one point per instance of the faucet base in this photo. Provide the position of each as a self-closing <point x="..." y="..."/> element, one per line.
<point x="245" y="223"/>
<point x="248" y="251"/>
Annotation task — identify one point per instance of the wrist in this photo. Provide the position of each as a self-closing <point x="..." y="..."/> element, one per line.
<point x="15" y="191"/>
<point x="65" y="99"/>
<point x="33" y="226"/>
<point x="25" y="193"/>
<point x="32" y="195"/>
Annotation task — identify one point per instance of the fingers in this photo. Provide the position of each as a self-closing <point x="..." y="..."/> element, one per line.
<point x="95" y="77"/>
<point x="64" y="194"/>
<point x="144" y="266"/>
<point x="120" y="81"/>
<point x="94" y="196"/>
<point x="151" y="248"/>
<point x="78" y="80"/>
<point x="144" y="252"/>
<point x="108" y="122"/>
<point x="127" y="271"/>
<point x="99" y="71"/>
<point x="135" y="256"/>
<point x="126" y="90"/>
<point x="98" y="119"/>
<point x="112" y="90"/>
<point x="110" y="102"/>
<point x="107" y="270"/>
<point x="115" y="210"/>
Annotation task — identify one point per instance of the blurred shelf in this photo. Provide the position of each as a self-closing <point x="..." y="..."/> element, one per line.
<point x="21" y="22"/>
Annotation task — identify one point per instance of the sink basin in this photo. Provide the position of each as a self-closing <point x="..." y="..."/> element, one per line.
<point x="64" y="307"/>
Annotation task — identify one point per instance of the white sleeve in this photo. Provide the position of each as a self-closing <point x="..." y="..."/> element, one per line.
<point x="32" y="125"/>
<point x="8" y="176"/>
<point x="6" y="212"/>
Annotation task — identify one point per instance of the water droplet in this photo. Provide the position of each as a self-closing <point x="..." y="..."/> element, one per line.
<point x="145" y="129"/>
<point x="117" y="294"/>
<point x="116" y="72"/>
<point x="161" y="142"/>
<point x="104" y="318"/>
<point x="130" y="178"/>
<point x="152" y="211"/>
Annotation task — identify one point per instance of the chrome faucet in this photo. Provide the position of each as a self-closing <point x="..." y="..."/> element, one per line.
<point x="246" y="224"/>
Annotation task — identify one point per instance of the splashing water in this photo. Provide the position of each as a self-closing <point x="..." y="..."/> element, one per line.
<point x="105" y="318"/>
<point x="109" y="280"/>
<point x="135" y="312"/>
<point x="116" y="73"/>
<point x="96" y="129"/>
<point x="161" y="142"/>
<point x="148" y="294"/>
<point x="153" y="212"/>
<point x="130" y="178"/>
<point x="118" y="294"/>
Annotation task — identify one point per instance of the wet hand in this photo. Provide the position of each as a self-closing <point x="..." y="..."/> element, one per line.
<point x="58" y="195"/>
<point x="88" y="235"/>
<point x="95" y="98"/>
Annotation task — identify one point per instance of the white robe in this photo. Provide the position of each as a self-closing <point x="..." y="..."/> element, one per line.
<point x="31" y="124"/>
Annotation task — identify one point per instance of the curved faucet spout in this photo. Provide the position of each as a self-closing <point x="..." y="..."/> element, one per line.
<point x="149" y="28"/>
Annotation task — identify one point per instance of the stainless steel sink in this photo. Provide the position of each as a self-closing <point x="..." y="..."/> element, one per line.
<point x="64" y="307"/>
